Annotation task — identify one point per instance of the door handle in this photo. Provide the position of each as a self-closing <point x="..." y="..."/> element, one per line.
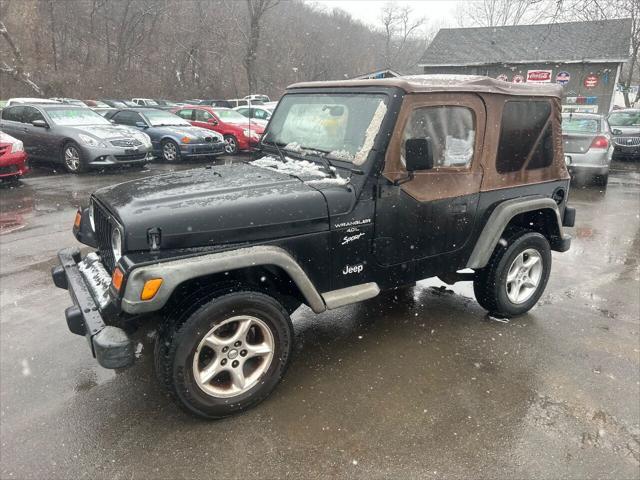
<point x="459" y="208"/>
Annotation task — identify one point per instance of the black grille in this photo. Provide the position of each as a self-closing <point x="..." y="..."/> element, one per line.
<point x="9" y="169"/>
<point x="128" y="158"/>
<point x="104" y="226"/>
<point x="126" y="142"/>
<point x="627" y="141"/>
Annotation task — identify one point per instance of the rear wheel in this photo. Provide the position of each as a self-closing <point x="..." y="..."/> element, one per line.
<point x="72" y="158"/>
<point x="226" y="356"/>
<point x="230" y="144"/>
<point x="170" y="151"/>
<point x="517" y="273"/>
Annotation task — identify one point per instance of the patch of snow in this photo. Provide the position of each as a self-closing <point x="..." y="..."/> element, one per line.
<point x="370" y="134"/>
<point x="342" y="155"/>
<point x="290" y="166"/>
<point x="293" y="147"/>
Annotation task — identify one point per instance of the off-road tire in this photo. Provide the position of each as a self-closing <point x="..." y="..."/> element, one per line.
<point x="489" y="284"/>
<point x="179" y="337"/>
<point x="68" y="165"/>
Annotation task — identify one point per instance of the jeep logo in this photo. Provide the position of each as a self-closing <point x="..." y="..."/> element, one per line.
<point x="348" y="269"/>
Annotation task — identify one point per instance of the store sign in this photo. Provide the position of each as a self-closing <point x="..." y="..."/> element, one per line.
<point x="502" y="77"/>
<point x="591" y="81"/>
<point x="563" y="78"/>
<point x="539" y="76"/>
<point x="518" y="79"/>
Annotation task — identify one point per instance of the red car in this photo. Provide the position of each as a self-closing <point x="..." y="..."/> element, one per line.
<point x="13" y="159"/>
<point x="238" y="131"/>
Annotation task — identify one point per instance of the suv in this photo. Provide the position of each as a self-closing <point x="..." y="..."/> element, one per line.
<point x="625" y="126"/>
<point x="361" y="186"/>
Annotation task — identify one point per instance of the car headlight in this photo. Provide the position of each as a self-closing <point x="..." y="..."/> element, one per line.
<point x="92" y="142"/>
<point x="17" y="146"/>
<point x="145" y="139"/>
<point x="91" y="218"/>
<point x="116" y="243"/>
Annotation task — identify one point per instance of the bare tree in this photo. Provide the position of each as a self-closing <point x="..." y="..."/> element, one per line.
<point x="499" y="13"/>
<point x="400" y="28"/>
<point x="16" y="71"/>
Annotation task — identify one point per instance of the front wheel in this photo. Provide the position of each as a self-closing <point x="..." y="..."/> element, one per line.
<point x="227" y="356"/>
<point x="170" y="151"/>
<point x="230" y="144"/>
<point x="72" y="158"/>
<point x="517" y="273"/>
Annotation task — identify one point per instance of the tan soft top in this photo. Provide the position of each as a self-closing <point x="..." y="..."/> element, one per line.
<point x="444" y="83"/>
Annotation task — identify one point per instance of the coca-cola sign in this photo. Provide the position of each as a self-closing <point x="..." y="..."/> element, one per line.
<point x="539" y="76"/>
<point x="591" y="81"/>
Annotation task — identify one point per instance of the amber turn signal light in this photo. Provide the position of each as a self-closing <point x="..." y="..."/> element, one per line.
<point x="116" y="278"/>
<point x="150" y="288"/>
<point x="76" y="222"/>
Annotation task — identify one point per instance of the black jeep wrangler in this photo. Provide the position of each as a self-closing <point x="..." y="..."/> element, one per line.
<point x="359" y="186"/>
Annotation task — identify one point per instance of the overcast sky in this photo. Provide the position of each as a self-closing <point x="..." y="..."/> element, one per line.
<point x="439" y="13"/>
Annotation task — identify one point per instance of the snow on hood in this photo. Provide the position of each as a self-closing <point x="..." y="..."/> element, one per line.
<point x="310" y="173"/>
<point x="108" y="132"/>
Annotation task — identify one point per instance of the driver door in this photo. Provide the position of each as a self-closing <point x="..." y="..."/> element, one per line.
<point x="428" y="219"/>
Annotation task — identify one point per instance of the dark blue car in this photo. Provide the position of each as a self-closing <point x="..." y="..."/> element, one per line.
<point x="172" y="137"/>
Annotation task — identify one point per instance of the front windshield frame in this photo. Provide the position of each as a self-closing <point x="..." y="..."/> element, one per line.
<point x="354" y="156"/>
<point x="633" y="115"/>
<point x="96" y="118"/>
<point x="175" y="120"/>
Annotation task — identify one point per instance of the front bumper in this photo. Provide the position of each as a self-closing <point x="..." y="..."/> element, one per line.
<point x="13" y="164"/>
<point x="201" y="149"/>
<point x="624" y="151"/>
<point x="110" y="345"/>
<point x="101" y="157"/>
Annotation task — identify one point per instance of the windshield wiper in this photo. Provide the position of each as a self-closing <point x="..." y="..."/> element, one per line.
<point x="280" y="154"/>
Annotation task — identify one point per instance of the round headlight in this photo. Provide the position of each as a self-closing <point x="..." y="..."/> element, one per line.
<point x="116" y="243"/>
<point x="91" y="219"/>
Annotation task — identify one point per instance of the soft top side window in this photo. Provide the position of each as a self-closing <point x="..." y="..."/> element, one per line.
<point x="526" y="138"/>
<point x="451" y="130"/>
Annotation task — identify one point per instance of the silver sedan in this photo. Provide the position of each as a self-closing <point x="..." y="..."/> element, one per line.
<point x="587" y="146"/>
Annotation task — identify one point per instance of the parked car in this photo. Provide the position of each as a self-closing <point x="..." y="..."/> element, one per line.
<point x="113" y="103"/>
<point x="587" y="146"/>
<point x="173" y="138"/>
<point x="96" y="103"/>
<point x="238" y="131"/>
<point x="21" y="101"/>
<point x="70" y="101"/>
<point x="258" y="97"/>
<point x="104" y="111"/>
<point x="193" y="101"/>
<point x="165" y="104"/>
<point x="13" y="158"/>
<point x="145" y="102"/>
<point x="398" y="181"/>
<point x="625" y="126"/>
<point x="76" y="137"/>
<point x="259" y="113"/>
<point x="241" y="102"/>
<point x="216" y="103"/>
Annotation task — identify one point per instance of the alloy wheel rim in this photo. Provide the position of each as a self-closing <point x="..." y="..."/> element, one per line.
<point x="72" y="158"/>
<point x="233" y="356"/>
<point x="169" y="151"/>
<point x="230" y="145"/>
<point x="524" y="275"/>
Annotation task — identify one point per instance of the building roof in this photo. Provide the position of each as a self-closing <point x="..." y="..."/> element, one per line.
<point x="575" y="42"/>
<point x="385" y="73"/>
<point x="443" y="83"/>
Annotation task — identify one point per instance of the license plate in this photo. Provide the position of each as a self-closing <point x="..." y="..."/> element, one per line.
<point x="567" y="160"/>
<point x="131" y="151"/>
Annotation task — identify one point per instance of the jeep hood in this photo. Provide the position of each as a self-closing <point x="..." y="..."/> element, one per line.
<point x="215" y="205"/>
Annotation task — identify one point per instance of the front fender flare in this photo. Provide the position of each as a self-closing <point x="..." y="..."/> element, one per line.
<point x="175" y="272"/>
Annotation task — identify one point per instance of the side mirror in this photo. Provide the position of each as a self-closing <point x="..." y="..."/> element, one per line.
<point x="616" y="131"/>
<point x="418" y="154"/>
<point x="40" y="123"/>
<point x="212" y="121"/>
<point x="141" y="125"/>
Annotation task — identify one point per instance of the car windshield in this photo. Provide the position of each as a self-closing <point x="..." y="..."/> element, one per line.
<point x="341" y="125"/>
<point x="624" y="119"/>
<point x="580" y="125"/>
<point x="160" y="117"/>
<point x="231" y="116"/>
<point x="74" y="116"/>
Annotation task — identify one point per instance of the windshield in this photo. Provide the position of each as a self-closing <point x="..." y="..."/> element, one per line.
<point x="341" y="125"/>
<point x="160" y="117"/>
<point x="231" y="116"/>
<point x="76" y="117"/>
<point x="580" y="125"/>
<point x="624" y="119"/>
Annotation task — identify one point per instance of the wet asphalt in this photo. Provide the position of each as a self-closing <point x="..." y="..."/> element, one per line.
<point x="413" y="384"/>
